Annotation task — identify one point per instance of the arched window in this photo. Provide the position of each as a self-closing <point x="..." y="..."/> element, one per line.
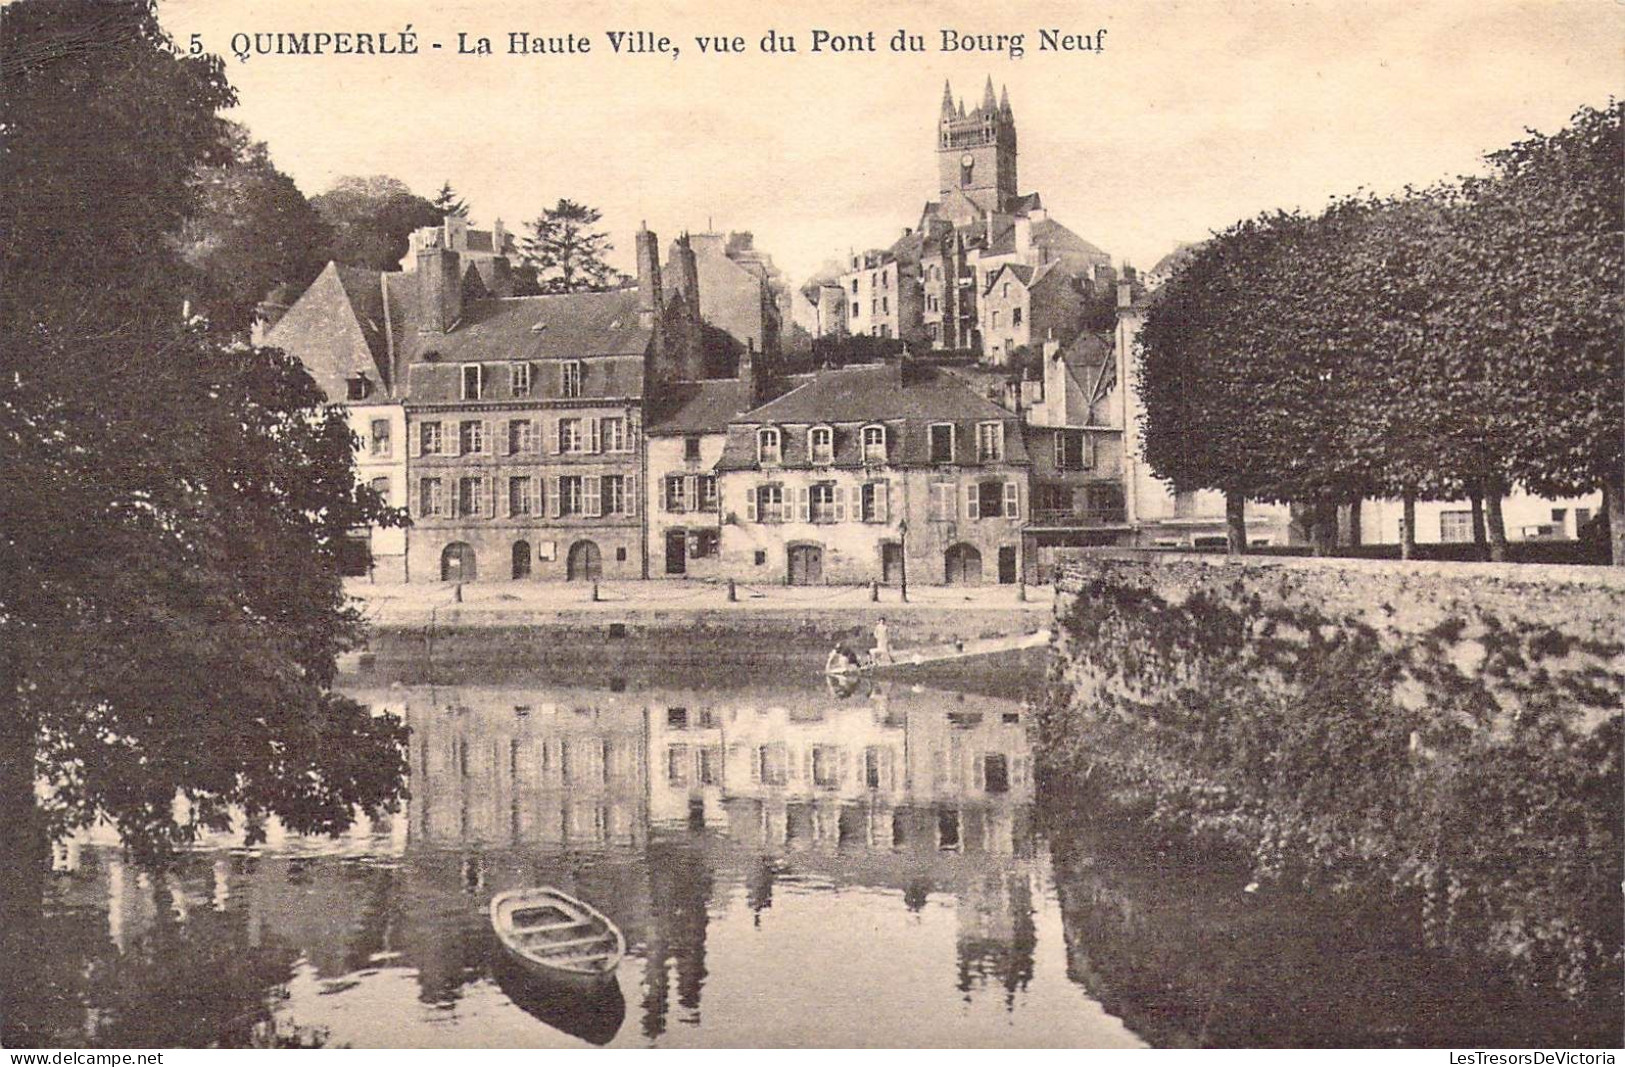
<point x="874" y="444"/>
<point x="767" y="445"/>
<point x="822" y="444"/>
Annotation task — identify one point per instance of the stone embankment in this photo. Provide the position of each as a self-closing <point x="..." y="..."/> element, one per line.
<point x="1450" y="733"/>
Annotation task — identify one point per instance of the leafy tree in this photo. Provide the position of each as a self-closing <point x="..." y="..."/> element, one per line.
<point x="373" y="220"/>
<point x="447" y="202"/>
<point x="1548" y="236"/>
<point x="566" y="252"/>
<point x="172" y="502"/>
<point x="250" y="231"/>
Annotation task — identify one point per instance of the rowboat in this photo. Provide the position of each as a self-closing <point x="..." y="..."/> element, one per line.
<point x="554" y="936"/>
<point x="925" y="654"/>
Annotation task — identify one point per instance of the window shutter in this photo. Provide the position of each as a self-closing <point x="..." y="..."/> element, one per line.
<point x="505" y="439"/>
<point x="595" y="436"/>
<point x="970" y="501"/>
<point x="538" y="495"/>
<point x="883" y="502"/>
<point x="803" y="505"/>
<point x="840" y="504"/>
<point x="750" y="504"/>
<point x="631" y="505"/>
<point x="558" y="496"/>
<point x="558" y="437"/>
<point x="414" y="441"/>
<point x="592" y="501"/>
<point x="691" y="493"/>
<point x="452" y="503"/>
<point x="1088" y="450"/>
<point x="1060" y="450"/>
<point x="1012" y="501"/>
<point x="487" y="428"/>
<point x="451" y="438"/>
<point x="414" y="500"/>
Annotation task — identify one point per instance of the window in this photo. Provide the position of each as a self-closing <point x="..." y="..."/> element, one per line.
<point x="592" y="500"/>
<point x="990" y="498"/>
<point x="471" y="496"/>
<point x="677" y="764"/>
<point x="942" y="501"/>
<point x="770" y="763"/>
<point x="942" y="442"/>
<point x="995" y="320"/>
<point x="856" y="309"/>
<point x="429" y="438"/>
<point x="615" y="498"/>
<point x="822" y="440"/>
<point x="1015" y="316"/>
<point x="989" y="441"/>
<point x="1072" y="450"/>
<point x="381" y="487"/>
<point x="676" y="498"/>
<point x="707" y="544"/>
<point x="874" y="444"/>
<point x="519" y="379"/>
<point x="1560" y="515"/>
<point x="885" y="305"/>
<point x="770" y="503"/>
<point x="1005" y="292"/>
<point x="691" y="448"/>
<point x="710" y="766"/>
<point x="767" y="446"/>
<point x="521" y="498"/>
<point x="570" y="439"/>
<point x="471" y="437"/>
<point x="570" y="379"/>
<point x="1456" y="526"/>
<point x="429" y="502"/>
<point x="854" y="290"/>
<point x="873" y="502"/>
<point x="572" y="495"/>
<point x="1012" y="501"/>
<point x="473" y="381"/>
<point x="521" y="437"/>
<point x="380" y="437"/>
<point x="706" y="489"/>
<point x="358" y="387"/>
<point x="1582" y="516"/>
<point x="826" y="764"/>
<point x="612" y="433"/>
<point x="822" y="500"/>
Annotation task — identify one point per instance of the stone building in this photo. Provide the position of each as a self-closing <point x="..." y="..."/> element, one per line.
<point x="684" y="440"/>
<point x="491" y="253"/>
<point x="1022" y="304"/>
<point x="864" y="471"/>
<point x="340" y="329"/>
<point x="740" y="291"/>
<point x="882" y="292"/>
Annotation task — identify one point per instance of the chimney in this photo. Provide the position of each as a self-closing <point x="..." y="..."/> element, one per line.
<point x="440" y="284"/>
<point x="649" y="303"/>
<point x="499" y="238"/>
<point x="1024" y="237"/>
<point x="750" y="372"/>
<point x="688" y="273"/>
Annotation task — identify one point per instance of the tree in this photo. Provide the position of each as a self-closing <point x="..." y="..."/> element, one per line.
<point x="447" y="202"/>
<point x="172" y="502"/>
<point x="565" y="251"/>
<point x="250" y="231"/>
<point x="373" y="220"/>
<point x="1548" y="231"/>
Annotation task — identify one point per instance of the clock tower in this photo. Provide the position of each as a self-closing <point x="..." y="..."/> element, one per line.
<point x="976" y="151"/>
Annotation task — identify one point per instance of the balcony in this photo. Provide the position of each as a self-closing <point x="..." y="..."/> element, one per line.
<point x="1079" y="517"/>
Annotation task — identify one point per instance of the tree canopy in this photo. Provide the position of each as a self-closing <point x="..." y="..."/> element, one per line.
<point x="373" y="219"/>
<point x="566" y="252"/>
<point x="447" y="202"/>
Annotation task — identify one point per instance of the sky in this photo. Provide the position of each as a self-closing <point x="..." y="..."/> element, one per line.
<point x="1192" y="114"/>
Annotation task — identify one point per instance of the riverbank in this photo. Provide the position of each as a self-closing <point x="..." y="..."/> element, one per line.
<point x="1448" y="732"/>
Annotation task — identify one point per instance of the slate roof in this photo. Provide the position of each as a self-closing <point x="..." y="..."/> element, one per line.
<point x="906" y="399"/>
<point x="700" y="407"/>
<point x="557" y="326"/>
<point x="1049" y="234"/>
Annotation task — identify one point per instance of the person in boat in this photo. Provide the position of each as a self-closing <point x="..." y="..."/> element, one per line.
<point x="841" y="659"/>
<point x="882" y="649"/>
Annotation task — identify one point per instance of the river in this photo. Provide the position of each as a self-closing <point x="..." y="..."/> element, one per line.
<point x="792" y="863"/>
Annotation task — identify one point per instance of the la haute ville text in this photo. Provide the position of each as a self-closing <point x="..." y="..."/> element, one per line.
<point x="654" y="43"/>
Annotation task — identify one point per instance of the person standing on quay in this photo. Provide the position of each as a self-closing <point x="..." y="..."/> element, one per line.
<point x="882" y="651"/>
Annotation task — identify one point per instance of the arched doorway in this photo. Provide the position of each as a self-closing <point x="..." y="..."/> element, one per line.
<point x="963" y="565"/>
<point x="806" y="565"/>
<point x="521" y="559"/>
<point x="457" y="563"/>
<point x="584" y="563"/>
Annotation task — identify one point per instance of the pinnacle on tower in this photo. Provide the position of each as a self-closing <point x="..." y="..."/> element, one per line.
<point x="947" y="100"/>
<point x="989" y="101"/>
<point x="962" y="107"/>
<point x="1004" y="100"/>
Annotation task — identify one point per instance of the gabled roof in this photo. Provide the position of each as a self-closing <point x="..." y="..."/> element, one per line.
<point x="700" y="407"/>
<point x="1046" y="233"/>
<point x="336" y="329"/>
<point x="556" y="326"/>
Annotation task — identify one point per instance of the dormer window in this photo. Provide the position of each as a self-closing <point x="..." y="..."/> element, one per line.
<point x="358" y="387"/>
<point x="519" y="379"/>
<point x="473" y="381"/>
<point x="821" y="442"/>
<point x="874" y="444"/>
<point x="942" y="442"/>
<point x="570" y="379"/>
<point x="989" y="442"/>
<point x="767" y="446"/>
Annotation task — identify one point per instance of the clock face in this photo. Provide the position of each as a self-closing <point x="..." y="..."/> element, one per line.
<point x="966" y="160"/>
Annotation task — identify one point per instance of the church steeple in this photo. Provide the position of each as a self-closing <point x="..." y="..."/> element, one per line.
<point x="976" y="150"/>
<point x="947" y="100"/>
<point x="989" y="101"/>
<point x="1004" y="103"/>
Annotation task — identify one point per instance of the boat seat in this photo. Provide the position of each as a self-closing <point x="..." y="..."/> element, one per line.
<point x="526" y="930"/>
<point x="553" y="948"/>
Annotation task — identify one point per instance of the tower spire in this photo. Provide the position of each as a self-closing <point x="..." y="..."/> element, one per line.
<point x="947" y="99"/>
<point x="1004" y="100"/>
<point x="989" y="101"/>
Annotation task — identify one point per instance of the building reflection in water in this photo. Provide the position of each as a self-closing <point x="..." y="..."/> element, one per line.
<point x="655" y="808"/>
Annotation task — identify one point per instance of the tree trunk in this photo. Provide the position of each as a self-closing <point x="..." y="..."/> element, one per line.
<point x="1407" y="527"/>
<point x="1480" y="537"/>
<point x="1613" y="505"/>
<point x="1235" y="524"/>
<point x="1355" y="536"/>
<point x="1496" y="521"/>
<point x="1325" y="527"/>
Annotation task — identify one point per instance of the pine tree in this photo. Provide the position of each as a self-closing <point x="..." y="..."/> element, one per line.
<point x="447" y="202"/>
<point x="566" y="252"/>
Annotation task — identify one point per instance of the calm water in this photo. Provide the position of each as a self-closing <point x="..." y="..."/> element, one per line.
<point x="791" y="865"/>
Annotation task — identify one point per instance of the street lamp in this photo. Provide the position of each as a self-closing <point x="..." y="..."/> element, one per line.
<point x="902" y="557"/>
